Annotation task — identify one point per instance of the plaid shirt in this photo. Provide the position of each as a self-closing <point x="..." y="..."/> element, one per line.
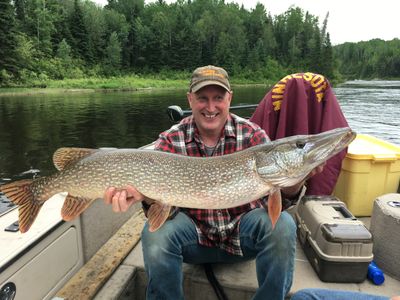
<point x="215" y="228"/>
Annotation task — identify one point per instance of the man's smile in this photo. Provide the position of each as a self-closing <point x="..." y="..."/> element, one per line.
<point x="210" y="116"/>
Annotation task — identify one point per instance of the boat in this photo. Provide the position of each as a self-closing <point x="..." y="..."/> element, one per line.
<point x="98" y="256"/>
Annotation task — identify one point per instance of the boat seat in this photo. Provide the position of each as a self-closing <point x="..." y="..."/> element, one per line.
<point x="238" y="280"/>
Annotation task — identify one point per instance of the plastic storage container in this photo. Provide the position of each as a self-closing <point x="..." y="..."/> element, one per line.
<point x="337" y="245"/>
<point x="371" y="168"/>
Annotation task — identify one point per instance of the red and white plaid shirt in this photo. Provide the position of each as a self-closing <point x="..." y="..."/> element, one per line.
<point x="215" y="228"/>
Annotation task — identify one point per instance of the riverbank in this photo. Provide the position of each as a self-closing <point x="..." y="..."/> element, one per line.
<point x="90" y="85"/>
<point x="125" y="83"/>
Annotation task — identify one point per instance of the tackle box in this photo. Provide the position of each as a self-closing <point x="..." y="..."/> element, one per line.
<point x="338" y="245"/>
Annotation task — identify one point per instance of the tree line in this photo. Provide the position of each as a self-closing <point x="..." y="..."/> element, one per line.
<point x="58" y="39"/>
<point x="366" y="60"/>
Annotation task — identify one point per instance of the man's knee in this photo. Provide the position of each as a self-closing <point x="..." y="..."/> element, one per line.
<point x="153" y="243"/>
<point x="303" y="295"/>
<point x="168" y="238"/>
<point x="259" y="226"/>
<point x="283" y="238"/>
<point x="286" y="226"/>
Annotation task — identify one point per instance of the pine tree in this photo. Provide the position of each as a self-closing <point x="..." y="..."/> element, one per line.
<point x="44" y="28"/>
<point x="80" y="36"/>
<point x="62" y="31"/>
<point x="20" y="10"/>
<point x="327" y="58"/>
<point x="113" y="54"/>
<point x="8" y="40"/>
<point x="64" y="51"/>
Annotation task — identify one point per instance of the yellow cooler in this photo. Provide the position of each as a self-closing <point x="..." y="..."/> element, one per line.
<point x="370" y="169"/>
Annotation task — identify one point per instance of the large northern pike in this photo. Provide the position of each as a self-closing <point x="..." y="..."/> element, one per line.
<point x="176" y="180"/>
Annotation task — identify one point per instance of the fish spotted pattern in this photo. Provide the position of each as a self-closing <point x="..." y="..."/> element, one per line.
<point x="175" y="180"/>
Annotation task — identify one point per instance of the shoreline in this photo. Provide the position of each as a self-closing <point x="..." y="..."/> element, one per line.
<point x="55" y="91"/>
<point x="25" y="91"/>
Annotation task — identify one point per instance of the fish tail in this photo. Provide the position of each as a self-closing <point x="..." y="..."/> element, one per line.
<point x="21" y="193"/>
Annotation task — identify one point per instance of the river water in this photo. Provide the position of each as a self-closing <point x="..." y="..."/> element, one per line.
<point x="33" y="127"/>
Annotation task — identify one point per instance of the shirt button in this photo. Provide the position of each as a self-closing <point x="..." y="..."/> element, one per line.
<point x="219" y="212"/>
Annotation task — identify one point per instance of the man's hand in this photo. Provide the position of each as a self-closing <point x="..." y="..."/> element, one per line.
<point x="122" y="199"/>
<point x="292" y="191"/>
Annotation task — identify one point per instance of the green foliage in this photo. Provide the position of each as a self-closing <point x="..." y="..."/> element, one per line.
<point x="44" y="27"/>
<point x="26" y="53"/>
<point x="6" y="78"/>
<point x="20" y="10"/>
<point x="43" y="40"/>
<point x="80" y="35"/>
<point x="64" y="51"/>
<point x="8" y="48"/>
<point x="367" y="60"/>
<point x="113" y="55"/>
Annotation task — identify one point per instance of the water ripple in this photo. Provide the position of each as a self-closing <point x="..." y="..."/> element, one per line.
<point x="372" y="107"/>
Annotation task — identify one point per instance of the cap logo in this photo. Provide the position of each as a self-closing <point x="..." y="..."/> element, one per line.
<point x="210" y="72"/>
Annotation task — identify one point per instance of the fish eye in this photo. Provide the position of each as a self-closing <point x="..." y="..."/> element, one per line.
<point x="300" y="144"/>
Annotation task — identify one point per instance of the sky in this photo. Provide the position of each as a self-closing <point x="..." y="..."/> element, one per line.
<point x="349" y="20"/>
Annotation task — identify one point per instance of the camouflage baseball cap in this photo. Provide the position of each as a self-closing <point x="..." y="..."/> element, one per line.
<point x="209" y="75"/>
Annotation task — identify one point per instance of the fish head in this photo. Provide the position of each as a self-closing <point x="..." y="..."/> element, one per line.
<point x="289" y="160"/>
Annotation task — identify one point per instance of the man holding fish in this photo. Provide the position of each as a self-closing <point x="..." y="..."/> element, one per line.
<point x="233" y="234"/>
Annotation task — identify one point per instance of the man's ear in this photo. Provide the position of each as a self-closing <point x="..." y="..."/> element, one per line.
<point x="189" y="98"/>
<point x="230" y="96"/>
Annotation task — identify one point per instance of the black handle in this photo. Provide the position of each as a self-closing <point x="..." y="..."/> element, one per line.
<point x="345" y="212"/>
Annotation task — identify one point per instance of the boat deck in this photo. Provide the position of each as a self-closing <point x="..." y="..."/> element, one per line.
<point x="238" y="280"/>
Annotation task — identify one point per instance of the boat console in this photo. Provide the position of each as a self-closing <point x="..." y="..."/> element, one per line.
<point x="35" y="264"/>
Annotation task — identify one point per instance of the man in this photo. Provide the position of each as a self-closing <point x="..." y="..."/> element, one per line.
<point x="206" y="236"/>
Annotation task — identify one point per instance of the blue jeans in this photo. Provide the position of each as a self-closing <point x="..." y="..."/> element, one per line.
<point x="325" y="294"/>
<point x="176" y="242"/>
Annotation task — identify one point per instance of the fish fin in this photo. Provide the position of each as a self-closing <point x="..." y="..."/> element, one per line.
<point x="73" y="207"/>
<point x="157" y="214"/>
<point x="274" y="207"/>
<point x="20" y="192"/>
<point x="64" y="157"/>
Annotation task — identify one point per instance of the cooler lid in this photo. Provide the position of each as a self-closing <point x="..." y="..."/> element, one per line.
<point x="367" y="147"/>
<point x="346" y="233"/>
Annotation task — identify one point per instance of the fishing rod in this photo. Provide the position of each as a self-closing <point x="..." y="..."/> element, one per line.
<point x="176" y="113"/>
